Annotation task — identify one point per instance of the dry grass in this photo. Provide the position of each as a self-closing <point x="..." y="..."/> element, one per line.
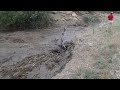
<point x="85" y="74"/>
<point x="106" y="61"/>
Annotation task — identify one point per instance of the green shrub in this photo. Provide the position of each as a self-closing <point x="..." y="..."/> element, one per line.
<point x="90" y="19"/>
<point x="24" y="19"/>
<point x="89" y="74"/>
<point x="101" y="64"/>
<point x="116" y="11"/>
<point x="85" y="74"/>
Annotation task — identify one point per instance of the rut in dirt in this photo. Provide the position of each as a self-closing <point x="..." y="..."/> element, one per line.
<point x="42" y="66"/>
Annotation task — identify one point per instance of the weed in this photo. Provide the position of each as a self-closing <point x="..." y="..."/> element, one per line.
<point x="101" y="64"/>
<point x="89" y="74"/>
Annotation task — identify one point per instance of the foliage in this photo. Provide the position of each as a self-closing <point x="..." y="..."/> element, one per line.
<point x="24" y="19"/>
<point x="89" y="74"/>
<point x="90" y="19"/>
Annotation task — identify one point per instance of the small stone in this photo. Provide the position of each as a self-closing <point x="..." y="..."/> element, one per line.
<point x="75" y="18"/>
<point x="90" y="44"/>
<point x="54" y="12"/>
<point x="74" y="15"/>
<point x="69" y="12"/>
<point x="63" y="19"/>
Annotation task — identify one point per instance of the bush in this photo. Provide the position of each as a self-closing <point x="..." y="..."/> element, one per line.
<point x="85" y="74"/>
<point x="90" y="19"/>
<point x="24" y="19"/>
<point x="101" y="64"/>
<point x="116" y="11"/>
<point x="89" y="74"/>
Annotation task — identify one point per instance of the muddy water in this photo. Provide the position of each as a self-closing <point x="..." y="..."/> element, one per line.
<point x="13" y="52"/>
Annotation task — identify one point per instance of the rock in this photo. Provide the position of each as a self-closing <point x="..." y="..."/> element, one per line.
<point x="83" y="12"/>
<point x="62" y="19"/>
<point x="90" y="44"/>
<point x="54" y="12"/>
<point x="69" y="12"/>
<point x="69" y="18"/>
<point x="74" y="14"/>
<point x="75" y="18"/>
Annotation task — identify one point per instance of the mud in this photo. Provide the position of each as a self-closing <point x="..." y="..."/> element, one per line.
<point x="40" y="66"/>
<point x="39" y="54"/>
